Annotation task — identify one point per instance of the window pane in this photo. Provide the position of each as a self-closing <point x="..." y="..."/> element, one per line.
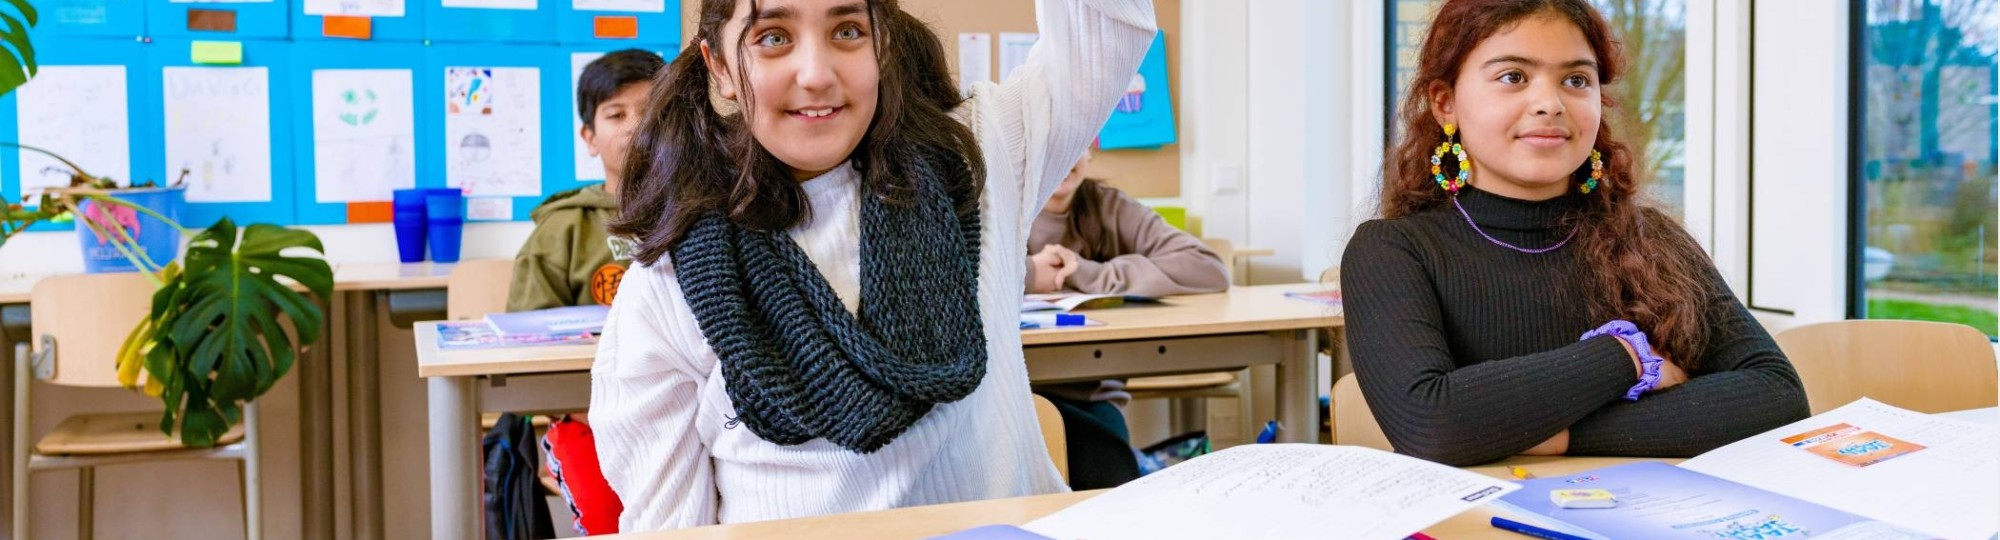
<point x="1651" y="96"/>
<point x="1927" y="161"/>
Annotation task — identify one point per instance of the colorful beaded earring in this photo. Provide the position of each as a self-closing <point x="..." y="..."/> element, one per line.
<point x="1457" y="152"/>
<point x="1596" y="171"/>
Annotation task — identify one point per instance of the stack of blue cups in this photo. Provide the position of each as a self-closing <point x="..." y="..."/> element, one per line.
<point x="430" y="216"/>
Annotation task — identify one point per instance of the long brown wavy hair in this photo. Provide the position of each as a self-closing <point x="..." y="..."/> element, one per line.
<point x="1643" y="267"/>
<point x="688" y="159"/>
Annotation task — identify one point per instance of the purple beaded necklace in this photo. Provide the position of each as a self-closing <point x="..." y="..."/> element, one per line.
<point x="1497" y="242"/>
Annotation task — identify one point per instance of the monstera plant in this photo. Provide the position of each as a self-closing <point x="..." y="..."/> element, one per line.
<point x="227" y="321"/>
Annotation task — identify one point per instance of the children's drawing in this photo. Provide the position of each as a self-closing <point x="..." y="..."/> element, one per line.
<point x="492" y="125"/>
<point x="78" y="112"/>
<point x="364" y="133"/>
<point x="1144" y="116"/>
<point x="219" y="130"/>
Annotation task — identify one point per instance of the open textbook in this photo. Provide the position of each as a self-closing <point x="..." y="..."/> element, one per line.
<point x="1658" y="500"/>
<point x="1280" y="491"/>
<point x="1930" y="473"/>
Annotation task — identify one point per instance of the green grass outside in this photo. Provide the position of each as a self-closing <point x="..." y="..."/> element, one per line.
<point x="1985" y="321"/>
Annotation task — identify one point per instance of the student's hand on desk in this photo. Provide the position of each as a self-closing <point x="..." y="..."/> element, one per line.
<point x="1051" y="266"/>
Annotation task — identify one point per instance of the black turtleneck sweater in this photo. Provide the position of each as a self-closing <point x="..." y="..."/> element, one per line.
<point x="1467" y="351"/>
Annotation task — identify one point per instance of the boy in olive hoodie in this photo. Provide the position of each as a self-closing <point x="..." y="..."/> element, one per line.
<point x="570" y="259"/>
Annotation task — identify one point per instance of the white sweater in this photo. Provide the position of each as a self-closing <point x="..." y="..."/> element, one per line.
<point x="658" y="406"/>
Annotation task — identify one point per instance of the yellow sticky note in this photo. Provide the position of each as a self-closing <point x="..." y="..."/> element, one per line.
<point x="218" y="52"/>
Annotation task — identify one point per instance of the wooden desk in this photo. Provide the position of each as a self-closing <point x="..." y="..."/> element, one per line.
<point x="927" y="521"/>
<point x="1216" y="332"/>
<point x="361" y="286"/>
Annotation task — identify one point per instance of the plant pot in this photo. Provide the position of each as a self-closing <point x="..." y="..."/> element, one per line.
<point x="156" y="240"/>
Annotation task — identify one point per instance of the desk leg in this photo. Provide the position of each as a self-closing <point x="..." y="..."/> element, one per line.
<point x="316" y="441"/>
<point x="364" y="420"/>
<point x="454" y="431"/>
<point x="1298" y="399"/>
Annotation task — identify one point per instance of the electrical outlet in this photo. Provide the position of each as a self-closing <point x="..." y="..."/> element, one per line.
<point x="1224" y="179"/>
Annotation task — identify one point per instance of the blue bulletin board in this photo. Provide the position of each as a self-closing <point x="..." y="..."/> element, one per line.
<point x="172" y="106"/>
<point x="1144" y="117"/>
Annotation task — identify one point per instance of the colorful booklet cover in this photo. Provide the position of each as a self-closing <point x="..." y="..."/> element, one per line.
<point x="550" y="322"/>
<point x="1658" y="500"/>
<point x="1075" y="301"/>
<point x="457" y="335"/>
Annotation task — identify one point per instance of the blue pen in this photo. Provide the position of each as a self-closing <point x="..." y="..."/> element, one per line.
<point x="1270" y="433"/>
<point x="1531" y="530"/>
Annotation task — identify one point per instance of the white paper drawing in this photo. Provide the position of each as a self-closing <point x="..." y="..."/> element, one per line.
<point x="78" y="112"/>
<point x="644" y="6"/>
<point x="364" y="134"/>
<point x="493" y="131"/>
<point x="219" y="1"/>
<point x="1014" y="47"/>
<point x="368" y="8"/>
<point x="489" y="4"/>
<point x="588" y="167"/>
<point x="975" y="60"/>
<point x="219" y="131"/>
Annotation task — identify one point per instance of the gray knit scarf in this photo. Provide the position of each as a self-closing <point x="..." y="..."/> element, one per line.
<point x="797" y="365"/>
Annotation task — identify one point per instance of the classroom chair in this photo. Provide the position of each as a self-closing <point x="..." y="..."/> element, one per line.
<point x="1053" y="435"/>
<point x="81" y="321"/>
<point x="1192" y="393"/>
<point x="476" y="288"/>
<point x="1353" y="423"/>
<point x="1928" y="367"/>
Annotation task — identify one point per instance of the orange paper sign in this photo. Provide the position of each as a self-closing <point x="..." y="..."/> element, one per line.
<point x="614" y="27"/>
<point x="346" y="26"/>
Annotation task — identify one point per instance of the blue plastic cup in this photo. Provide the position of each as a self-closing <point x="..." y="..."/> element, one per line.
<point x="444" y="213"/>
<point x="410" y="224"/>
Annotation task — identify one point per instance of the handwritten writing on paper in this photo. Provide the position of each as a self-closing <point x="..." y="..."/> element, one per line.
<point x="219" y="130"/>
<point x="80" y="113"/>
<point x="364" y="134"/>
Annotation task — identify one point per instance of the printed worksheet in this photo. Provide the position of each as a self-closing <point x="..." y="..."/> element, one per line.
<point x="489" y="4"/>
<point x="644" y="6"/>
<point x="364" y="134"/>
<point x="219" y="131"/>
<point x="80" y="113"/>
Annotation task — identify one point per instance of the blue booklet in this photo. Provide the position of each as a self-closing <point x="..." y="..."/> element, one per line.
<point x="550" y="322"/>
<point x="1657" y="500"/>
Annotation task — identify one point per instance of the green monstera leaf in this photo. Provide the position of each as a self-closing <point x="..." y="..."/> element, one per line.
<point x="17" y="64"/>
<point x="217" y="337"/>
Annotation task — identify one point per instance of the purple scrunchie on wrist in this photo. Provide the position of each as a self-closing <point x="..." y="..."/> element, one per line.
<point x="1649" y="363"/>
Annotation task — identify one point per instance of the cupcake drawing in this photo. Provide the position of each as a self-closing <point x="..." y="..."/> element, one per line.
<point x="1135" y="95"/>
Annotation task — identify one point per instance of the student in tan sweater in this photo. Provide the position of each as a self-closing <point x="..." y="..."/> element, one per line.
<point x="1093" y="238"/>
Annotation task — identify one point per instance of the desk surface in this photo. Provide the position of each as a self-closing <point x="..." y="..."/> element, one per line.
<point x="1241" y="310"/>
<point x="18" y="288"/>
<point x="927" y="521"/>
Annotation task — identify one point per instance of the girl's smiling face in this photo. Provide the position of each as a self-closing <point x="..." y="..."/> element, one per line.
<point x="808" y="78"/>
<point x="1527" y="104"/>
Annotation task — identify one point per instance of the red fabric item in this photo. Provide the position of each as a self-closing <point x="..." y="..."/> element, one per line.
<point x="572" y="457"/>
